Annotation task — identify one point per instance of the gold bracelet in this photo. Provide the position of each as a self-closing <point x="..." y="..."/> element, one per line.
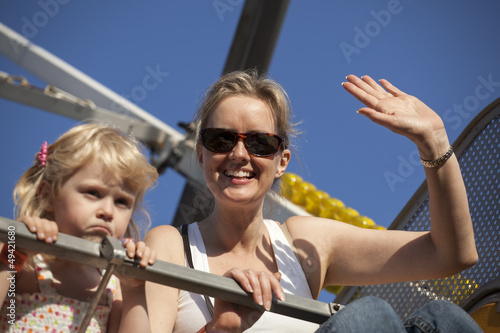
<point x="438" y="161"/>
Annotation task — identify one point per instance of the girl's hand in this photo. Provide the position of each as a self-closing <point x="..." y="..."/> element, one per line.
<point x="146" y="255"/>
<point x="232" y="317"/>
<point x="404" y="114"/>
<point x="45" y="230"/>
<point x="139" y="250"/>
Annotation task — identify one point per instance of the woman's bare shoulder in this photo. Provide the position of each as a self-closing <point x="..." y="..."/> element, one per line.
<point x="162" y="230"/>
<point x="167" y="242"/>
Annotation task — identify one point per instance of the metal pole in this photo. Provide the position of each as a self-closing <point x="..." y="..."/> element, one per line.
<point x="165" y="273"/>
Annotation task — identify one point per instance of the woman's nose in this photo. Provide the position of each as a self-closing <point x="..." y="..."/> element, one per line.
<point x="240" y="151"/>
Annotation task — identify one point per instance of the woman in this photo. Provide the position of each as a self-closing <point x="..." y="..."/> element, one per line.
<point x="244" y="131"/>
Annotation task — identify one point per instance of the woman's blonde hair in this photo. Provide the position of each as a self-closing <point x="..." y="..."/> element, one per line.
<point x="121" y="155"/>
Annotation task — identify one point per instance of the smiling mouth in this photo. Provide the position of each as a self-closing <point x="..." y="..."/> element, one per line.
<point x="239" y="174"/>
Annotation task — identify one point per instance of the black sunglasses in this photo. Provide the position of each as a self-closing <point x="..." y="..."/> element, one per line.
<point x="220" y="141"/>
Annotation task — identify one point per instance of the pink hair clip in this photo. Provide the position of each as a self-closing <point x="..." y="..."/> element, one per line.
<point x="42" y="155"/>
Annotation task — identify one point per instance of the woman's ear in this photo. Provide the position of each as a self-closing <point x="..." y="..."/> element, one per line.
<point x="45" y="197"/>
<point x="199" y="155"/>
<point x="283" y="163"/>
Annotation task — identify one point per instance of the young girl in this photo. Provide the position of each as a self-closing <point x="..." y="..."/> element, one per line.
<point x="91" y="182"/>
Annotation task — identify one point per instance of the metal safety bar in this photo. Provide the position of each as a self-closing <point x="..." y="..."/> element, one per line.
<point x="111" y="253"/>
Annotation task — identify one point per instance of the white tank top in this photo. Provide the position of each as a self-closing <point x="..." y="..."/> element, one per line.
<point x="192" y="313"/>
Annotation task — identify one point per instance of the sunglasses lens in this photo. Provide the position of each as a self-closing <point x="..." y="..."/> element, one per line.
<point x="222" y="141"/>
<point x="260" y="144"/>
<point x="218" y="141"/>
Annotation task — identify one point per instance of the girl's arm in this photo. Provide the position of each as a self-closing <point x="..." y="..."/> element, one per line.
<point x="162" y="300"/>
<point x="45" y="230"/>
<point x="129" y="311"/>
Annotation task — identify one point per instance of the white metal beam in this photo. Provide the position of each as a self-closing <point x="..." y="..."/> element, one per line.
<point x="177" y="151"/>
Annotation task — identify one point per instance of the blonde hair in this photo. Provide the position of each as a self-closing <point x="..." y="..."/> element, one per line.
<point x="120" y="154"/>
<point x="249" y="83"/>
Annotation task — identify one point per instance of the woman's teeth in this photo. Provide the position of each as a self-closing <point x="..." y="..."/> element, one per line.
<point x="237" y="173"/>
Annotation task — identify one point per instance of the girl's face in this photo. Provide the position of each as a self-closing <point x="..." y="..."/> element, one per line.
<point x="238" y="177"/>
<point x="93" y="204"/>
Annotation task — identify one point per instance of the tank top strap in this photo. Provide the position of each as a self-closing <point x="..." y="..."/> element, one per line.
<point x="110" y="289"/>
<point x="44" y="275"/>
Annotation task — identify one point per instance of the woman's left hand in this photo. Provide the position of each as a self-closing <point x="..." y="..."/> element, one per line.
<point x="404" y="114"/>
<point x="231" y="317"/>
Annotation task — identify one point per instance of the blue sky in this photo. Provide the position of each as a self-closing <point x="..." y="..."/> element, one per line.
<point x="444" y="52"/>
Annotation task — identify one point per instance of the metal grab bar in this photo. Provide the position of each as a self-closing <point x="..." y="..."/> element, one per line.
<point x="111" y="252"/>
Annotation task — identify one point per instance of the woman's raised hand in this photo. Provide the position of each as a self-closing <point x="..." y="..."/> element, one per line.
<point x="404" y="114"/>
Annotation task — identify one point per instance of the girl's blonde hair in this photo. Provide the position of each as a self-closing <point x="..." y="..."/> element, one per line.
<point x="121" y="155"/>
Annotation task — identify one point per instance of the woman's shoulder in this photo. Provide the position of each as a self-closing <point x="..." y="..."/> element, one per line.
<point x="162" y="229"/>
<point x="166" y="241"/>
<point x="162" y="233"/>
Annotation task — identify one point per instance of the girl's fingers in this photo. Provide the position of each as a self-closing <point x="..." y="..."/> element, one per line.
<point x="45" y="230"/>
<point x="51" y="231"/>
<point x="148" y="255"/>
<point x="30" y="223"/>
<point x="152" y="257"/>
<point x="139" y="250"/>
<point x="145" y="257"/>
<point x="130" y="247"/>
